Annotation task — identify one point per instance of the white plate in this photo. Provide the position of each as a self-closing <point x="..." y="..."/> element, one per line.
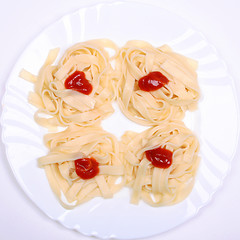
<point x="216" y="121"/>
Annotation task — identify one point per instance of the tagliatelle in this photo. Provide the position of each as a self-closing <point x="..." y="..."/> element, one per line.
<point x="138" y="58"/>
<point x="79" y="142"/>
<point x="58" y="106"/>
<point x="159" y="186"/>
<point x="61" y="103"/>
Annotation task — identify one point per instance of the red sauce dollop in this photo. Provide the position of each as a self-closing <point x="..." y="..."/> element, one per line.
<point x="160" y="157"/>
<point x="78" y="82"/>
<point x="152" y="81"/>
<point x="86" y="168"/>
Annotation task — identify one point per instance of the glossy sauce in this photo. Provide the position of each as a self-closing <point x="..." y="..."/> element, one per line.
<point x="160" y="157"/>
<point x="78" y="82"/>
<point x="152" y="81"/>
<point x="86" y="168"/>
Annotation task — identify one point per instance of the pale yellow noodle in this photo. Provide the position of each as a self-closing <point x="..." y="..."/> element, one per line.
<point x="138" y="58"/>
<point x="80" y="115"/>
<point x="158" y="186"/>
<point x="78" y="142"/>
<point x="58" y="106"/>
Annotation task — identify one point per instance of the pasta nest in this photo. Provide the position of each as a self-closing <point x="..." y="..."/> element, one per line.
<point x="158" y="186"/>
<point x="138" y="58"/>
<point x="78" y="142"/>
<point x="58" y="106"/>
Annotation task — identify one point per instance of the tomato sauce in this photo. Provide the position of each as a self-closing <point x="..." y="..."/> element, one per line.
<point x="78" y="82"/>
<point x="86" y="168"/>
<point x="160" y="157"/>
<point x="152" y="81"/>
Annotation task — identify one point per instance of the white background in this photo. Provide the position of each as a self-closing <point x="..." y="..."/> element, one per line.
<point x="21" y="21"/>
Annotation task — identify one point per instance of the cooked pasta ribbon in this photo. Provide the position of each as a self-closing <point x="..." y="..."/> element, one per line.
<point x="137" y="59"/>
<point x="58" y="106"/>
<point x="160" y="186"/>
<point x="79" y="142"/>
